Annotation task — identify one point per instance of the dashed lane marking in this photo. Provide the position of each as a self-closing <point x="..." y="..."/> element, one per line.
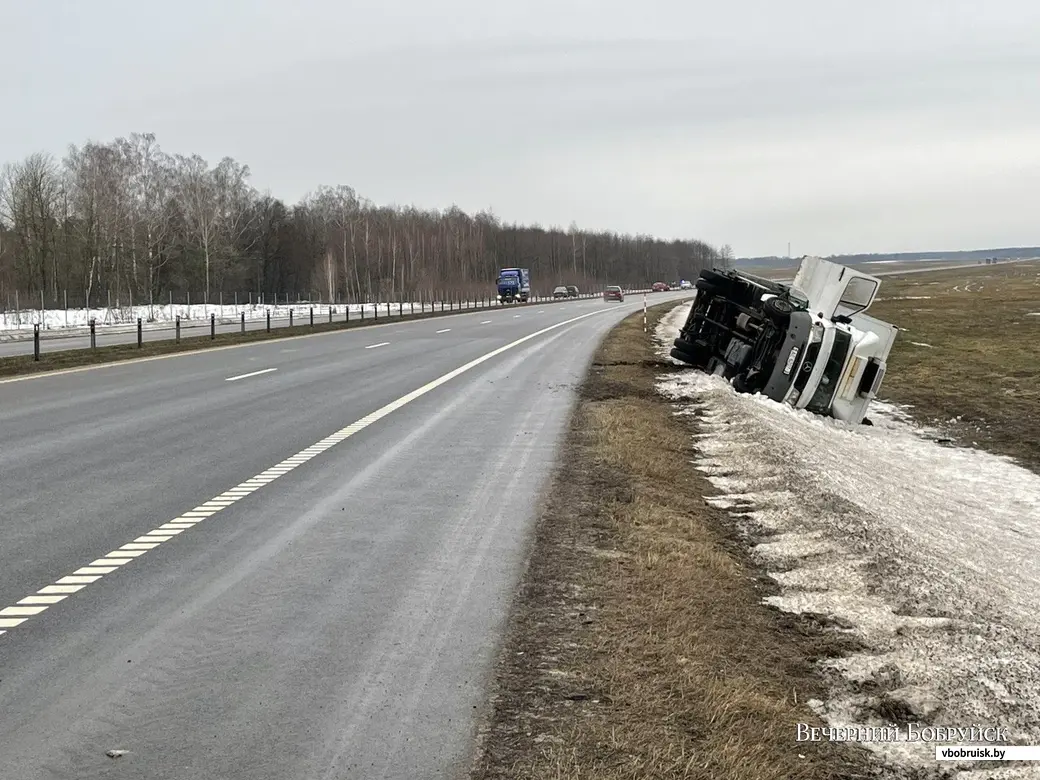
<point x="50" y="595"/>
<point x="445" y="330"/>
<point x="251" y="373"/>
<point x="208" y="350"/>
<point x="486" y="322"/>
<point x="380" y="344"/>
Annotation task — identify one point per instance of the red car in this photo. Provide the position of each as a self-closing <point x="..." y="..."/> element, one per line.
<point x="660" y="287"/>
<point x="613" y="294"/>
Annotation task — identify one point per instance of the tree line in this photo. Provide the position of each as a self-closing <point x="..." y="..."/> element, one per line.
<point x="126" y="221"/>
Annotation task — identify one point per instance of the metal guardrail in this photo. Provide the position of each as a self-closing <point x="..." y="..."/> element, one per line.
<point x="327" y="313"/>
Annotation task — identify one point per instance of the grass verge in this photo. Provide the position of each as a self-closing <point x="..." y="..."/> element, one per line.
<point x="114" y="353"/>
<point x="968" y="358"/>
<point x="638" y="645"/>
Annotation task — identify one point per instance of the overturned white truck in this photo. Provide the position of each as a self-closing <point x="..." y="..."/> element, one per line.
<point x="809" y="344"/>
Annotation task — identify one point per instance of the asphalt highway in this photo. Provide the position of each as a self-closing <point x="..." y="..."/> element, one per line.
<point x="283" y="560"/>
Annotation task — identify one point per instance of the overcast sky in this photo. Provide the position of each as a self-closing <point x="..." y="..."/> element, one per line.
<point x="837" y="126"/>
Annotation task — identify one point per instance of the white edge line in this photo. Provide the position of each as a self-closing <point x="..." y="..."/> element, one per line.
<point x="251" y="373"/>
<point x="19" y="613"/>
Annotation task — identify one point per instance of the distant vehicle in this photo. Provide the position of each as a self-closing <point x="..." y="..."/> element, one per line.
<point x="613" y="293"/>
<point x="560" y="292"/>
<point x="514" y="284"/>
<point x="685" y="285"/>
<point x="572" y="291"/>
<point x="660" y="287"/>
<point x="808" y="344"/>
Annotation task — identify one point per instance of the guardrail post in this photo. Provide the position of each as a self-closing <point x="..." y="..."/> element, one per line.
<point x="140" y="334"/>
<point x="177" y="329"/>
<point x="290" y="317"/>
<point x="243" y="320"/>
<point x="332" y="311"/>
<point x="212" y="326"/>
<point x="93" y="333"/>
<point x="36" y="341"/>
<point x="312" y="316"/>
<point x="375" y="310"/>
<point x="400" y="307"/>
<point x="268" y="320"/>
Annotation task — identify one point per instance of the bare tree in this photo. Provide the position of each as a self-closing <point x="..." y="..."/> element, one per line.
<point x="196" y="194"/>
<point x="127" y="216"/>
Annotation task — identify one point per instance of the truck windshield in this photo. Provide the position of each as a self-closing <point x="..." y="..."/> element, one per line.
<point x="821" y="400"/>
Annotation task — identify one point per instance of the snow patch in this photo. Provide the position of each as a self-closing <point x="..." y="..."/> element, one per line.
<point x="667" y="330"/>
<point x="20" y="323"/>
<point x="930" y="555"/>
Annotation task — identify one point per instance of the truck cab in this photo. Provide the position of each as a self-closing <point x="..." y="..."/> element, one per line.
<point x="809" y="344"/>
<point x="514" y="284"/>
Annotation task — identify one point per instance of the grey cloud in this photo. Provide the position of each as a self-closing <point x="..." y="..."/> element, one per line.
<point x="647" y="116"/>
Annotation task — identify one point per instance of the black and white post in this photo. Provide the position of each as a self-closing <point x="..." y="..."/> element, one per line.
<point x="644" y="312"/>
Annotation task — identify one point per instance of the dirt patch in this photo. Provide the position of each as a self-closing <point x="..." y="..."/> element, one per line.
<point x="966" y="359"/>
<point x="639" y="646"/>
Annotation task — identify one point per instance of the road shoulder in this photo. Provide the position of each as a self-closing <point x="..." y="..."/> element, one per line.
<point x="638" y="644"/>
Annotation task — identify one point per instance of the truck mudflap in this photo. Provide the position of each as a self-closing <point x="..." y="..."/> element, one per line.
<point x="791" y="352"/>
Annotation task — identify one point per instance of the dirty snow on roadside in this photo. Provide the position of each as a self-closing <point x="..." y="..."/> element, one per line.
<point x="929" y="554"/>
<point x="668" y="328"/>
<point x="56" y="319"/>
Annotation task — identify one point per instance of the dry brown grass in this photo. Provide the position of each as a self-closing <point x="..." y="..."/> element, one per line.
<point x="639" y="646"/>
<point x="982" y="359"/>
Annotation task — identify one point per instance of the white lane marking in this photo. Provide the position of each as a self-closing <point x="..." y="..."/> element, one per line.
<point x="486" y="322"/>
<point x="85" y="575"/>
<point x="516" y="316"/>
<point x="380" y="344"/>
<point x="444" y="331"/>
<point x="279" y="338"/>
<point x="251" y="373"/>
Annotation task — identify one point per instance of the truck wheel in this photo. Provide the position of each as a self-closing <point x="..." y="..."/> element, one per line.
<point x="778" y="309"/>
<point x="703" y="285"/>
<point x="715" y="278"/>
<point x="695" y="353"/>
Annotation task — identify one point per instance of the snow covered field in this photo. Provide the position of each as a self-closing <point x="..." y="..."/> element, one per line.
<point x="19" y="324"/>
<point x="929" y="554"/>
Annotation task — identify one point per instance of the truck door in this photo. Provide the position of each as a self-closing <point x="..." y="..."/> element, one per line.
<point x="835" y="289"/>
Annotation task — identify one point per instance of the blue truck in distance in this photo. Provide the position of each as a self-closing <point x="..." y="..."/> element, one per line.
<point x="514" y="284"/>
